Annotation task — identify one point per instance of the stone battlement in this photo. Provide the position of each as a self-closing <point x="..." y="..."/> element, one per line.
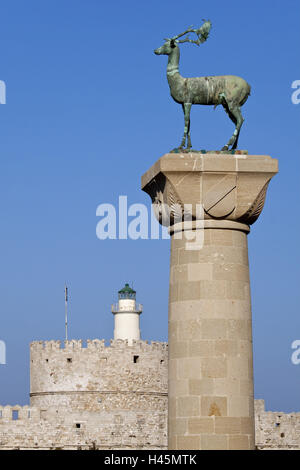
<point x="96" y="344"/>
<point x="275" y="429"/>
<point x="17" y="412"/>
<point x="260" y="408"/>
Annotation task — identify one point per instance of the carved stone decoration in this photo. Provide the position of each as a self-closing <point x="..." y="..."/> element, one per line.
<point x="166" y="204"/>
<point x="219" y="200"/>
<point x="255" y="210"/>
<point x="226" y="187"/>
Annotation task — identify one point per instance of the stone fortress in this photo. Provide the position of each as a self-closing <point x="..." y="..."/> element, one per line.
<point x="95" y="396"/>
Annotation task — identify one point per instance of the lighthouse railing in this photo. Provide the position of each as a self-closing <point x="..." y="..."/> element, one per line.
<point x="138" y="308"/>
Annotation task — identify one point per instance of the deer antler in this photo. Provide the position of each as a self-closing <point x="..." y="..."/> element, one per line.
<point x="189" y="30"/>
<point x="201" y="32"/>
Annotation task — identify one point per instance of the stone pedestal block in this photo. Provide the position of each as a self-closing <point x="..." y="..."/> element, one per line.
<point x="208" y="202"/>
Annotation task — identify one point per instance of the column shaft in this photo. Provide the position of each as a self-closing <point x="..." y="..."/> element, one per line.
<point x="211" y="403"/>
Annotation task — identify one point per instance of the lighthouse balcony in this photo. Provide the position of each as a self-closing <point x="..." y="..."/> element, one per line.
<point x="116" y="308"/>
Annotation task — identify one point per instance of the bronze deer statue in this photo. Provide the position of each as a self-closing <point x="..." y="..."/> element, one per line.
<point x="229" y="90"/>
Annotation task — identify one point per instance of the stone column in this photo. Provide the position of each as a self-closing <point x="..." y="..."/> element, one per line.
<point x="211" y="402"/>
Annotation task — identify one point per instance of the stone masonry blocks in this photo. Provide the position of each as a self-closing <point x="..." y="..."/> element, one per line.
<point x="210" y="329"/>
<point x="210" y="343"/>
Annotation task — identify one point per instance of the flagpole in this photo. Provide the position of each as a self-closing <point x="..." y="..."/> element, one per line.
<point x="66" y="311"/>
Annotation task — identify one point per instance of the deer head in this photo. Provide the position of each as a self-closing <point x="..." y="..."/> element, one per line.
<point x="166" y="48"/>
<point x="171" y="43"/>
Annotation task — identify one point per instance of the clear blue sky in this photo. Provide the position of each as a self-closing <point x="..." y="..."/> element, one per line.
<point x="88" y="112"/>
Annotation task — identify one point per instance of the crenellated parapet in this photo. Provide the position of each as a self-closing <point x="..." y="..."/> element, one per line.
<point x="17" y="412"/>
<point x="74" y="344"/>
<point x="94" y="344"/>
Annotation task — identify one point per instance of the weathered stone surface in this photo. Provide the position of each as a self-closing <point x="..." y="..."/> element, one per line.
<point x="91" y="379"/>
<point x="97" y="396"/>
<point x="57" y="428"/>
<point x="208" y="203"/>
<point x="276" y="430"/>
<point x="132" y="425"/>
<point x="231" y="187"/>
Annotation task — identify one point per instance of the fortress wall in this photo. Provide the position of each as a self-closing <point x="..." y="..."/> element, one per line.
<point x="276" y="430"/>
<point x="56" y="429"/>
<point x="97" y="377"/>
<point x="128" y="412"/>
<point x="97" y="396"/>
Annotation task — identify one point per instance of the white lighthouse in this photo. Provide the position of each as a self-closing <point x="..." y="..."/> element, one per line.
<point x="127" y="315"/>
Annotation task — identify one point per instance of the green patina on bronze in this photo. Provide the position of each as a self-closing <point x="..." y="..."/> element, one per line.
<point x="210" y="152"/>
<point x="127" y="292"/>
<point x="228" y="90"/>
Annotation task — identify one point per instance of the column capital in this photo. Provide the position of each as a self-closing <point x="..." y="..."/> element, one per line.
<point x="209" y="186"/>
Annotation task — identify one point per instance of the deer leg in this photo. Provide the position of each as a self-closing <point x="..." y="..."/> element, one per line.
<point x="189" y="142"/>
<point x="234" y="147"/>
<point x="236" y="116"/>
<point x="187" y="110"/>
<point x="240" y="120"/>
<point x="234" y="120"/>
<point x="182" y="145"/>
